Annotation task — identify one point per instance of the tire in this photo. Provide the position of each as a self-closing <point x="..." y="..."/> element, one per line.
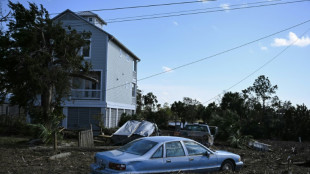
<point x="227" y="165"/>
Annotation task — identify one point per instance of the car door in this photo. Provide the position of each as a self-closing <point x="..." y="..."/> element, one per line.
<point x="201" y="159"/>
<point x="156" y="163"/>
<point x="175" y="158"/>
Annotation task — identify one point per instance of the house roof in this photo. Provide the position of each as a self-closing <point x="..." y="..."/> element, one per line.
<point x="91" y="14"/>
<point x="111" y="37"/>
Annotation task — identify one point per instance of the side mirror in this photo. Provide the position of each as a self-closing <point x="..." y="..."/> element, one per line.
<point x="207" y="154"/>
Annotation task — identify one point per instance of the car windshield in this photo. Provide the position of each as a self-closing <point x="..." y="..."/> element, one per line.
<point x="138" y="147"/>
<point x="196" y="128"/>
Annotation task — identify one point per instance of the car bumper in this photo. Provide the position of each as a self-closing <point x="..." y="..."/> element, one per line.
<point x="238" y="166"/>
<point x="96" y="169"/>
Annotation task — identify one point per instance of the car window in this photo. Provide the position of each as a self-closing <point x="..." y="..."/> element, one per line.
<point x="194" y="128"/>
<point x="158" y="153"/>
<point x="204" y="128"/>
<point x="138" y="147"/>
<point x="174" y="149"/>
<point x="194" y="148"/>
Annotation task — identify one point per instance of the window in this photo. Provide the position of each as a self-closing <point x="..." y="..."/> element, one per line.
<point x="86" y="49"/>
<point x="133" y="90"/>
<point x="174" y="149"/>
<point x="138" y="147"/>
<point x="194" y="148"/>
<point x="79" y="83"/>
<point x="196" y="128"/>
<point x="120" y="53"/>
<point x="158" y="153"/>
<point x="135" y="66"/>
<point x="90" y="19"/>
<point x="86" y="89"/>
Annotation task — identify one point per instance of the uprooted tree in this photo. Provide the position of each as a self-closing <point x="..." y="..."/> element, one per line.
<point x="38" y="59"/>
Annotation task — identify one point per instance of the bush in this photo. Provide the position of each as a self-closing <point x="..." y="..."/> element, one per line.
<point x="109" y="131"/>
<point x="227" y="123"/>
<point x="12" y="124"/>
<point x="124" y="118"/>
<point x="238" y="140"/>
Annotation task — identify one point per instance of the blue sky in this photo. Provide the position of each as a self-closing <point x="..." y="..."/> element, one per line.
<point x="166" y="43"/>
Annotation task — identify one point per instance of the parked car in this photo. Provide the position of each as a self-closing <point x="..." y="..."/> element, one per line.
<point x="164" y="154"/>
<point x="200" y="132"/>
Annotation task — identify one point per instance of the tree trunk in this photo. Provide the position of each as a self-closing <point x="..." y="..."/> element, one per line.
<point x="46" y="100"/>
<point x="263" y="115"/>
<point x="55" y="140"/>
<point x="47" y="109"/>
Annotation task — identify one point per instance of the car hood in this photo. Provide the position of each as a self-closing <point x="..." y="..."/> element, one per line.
<point x="116" y="156"/>
<point x="222" y="152"/>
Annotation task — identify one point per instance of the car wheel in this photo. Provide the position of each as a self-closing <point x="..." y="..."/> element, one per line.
<point x="227" y="166"/>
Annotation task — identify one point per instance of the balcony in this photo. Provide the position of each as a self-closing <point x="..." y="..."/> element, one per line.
<point x="85" y="94"/>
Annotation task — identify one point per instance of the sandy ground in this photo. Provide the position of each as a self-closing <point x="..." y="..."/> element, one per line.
<point x="18" y="157"/>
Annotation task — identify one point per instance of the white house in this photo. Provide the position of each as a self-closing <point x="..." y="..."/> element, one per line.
<point x="115" y="68"/>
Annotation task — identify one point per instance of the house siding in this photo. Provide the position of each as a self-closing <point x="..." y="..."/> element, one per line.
<point x="115" y="71"/>
<point x="119" y="75"/>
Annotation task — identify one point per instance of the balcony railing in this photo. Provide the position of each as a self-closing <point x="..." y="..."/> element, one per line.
<point x="85" y="94"/>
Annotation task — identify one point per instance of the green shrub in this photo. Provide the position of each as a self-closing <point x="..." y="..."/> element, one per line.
<point x="238" y="140"/>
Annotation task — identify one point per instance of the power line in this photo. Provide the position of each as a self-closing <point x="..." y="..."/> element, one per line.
<point x="259" y="68"/>
<point x="168" y="13"/>
<point x="145" y="6"/>
<point x="217" y="54"/>
<point x="195" y="13"/>
<point x="184" y="14"/>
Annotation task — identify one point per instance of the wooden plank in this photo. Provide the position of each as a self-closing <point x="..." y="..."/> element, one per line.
<point x="86" y="138"/>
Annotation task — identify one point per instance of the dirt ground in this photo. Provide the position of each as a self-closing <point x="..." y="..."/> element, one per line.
<point x="18" y="157"/>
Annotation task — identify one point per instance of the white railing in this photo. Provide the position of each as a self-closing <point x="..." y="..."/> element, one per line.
<point x="85" y="94"/>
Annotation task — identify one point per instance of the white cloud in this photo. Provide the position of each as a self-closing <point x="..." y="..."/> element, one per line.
<point x="167" y="69"/>
<point x="175" y="23"/>
<point x="225" y="6"/>
<point x="264" y="48"/>
<point x="292" y="40"/>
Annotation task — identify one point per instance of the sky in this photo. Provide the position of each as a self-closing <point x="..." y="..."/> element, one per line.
<point x="212" y="45"/>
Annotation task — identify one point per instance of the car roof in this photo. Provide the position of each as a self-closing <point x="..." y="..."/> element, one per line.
<point x="161" y="139"/>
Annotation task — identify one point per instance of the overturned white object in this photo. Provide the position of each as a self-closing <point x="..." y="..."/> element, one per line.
<point x="61" y="155"/>
<point x="259" y="146"/>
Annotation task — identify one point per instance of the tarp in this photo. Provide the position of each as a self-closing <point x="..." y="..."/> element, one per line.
<point x="145" y="129"/>
<point x="128" y="128"/>
<point x="132" y="130"/>
<point x="142" y="128"/>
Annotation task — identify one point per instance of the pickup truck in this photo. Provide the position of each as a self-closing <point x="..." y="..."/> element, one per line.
<point x="200" y="132"/>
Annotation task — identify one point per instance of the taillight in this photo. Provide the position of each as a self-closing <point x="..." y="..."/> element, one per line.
<point x="117" y="166"/>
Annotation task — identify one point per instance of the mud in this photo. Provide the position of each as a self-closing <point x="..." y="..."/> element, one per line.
<point x="19" y="157"/>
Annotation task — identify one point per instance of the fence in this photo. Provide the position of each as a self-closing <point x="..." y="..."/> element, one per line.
<point x="86" y="138"/>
